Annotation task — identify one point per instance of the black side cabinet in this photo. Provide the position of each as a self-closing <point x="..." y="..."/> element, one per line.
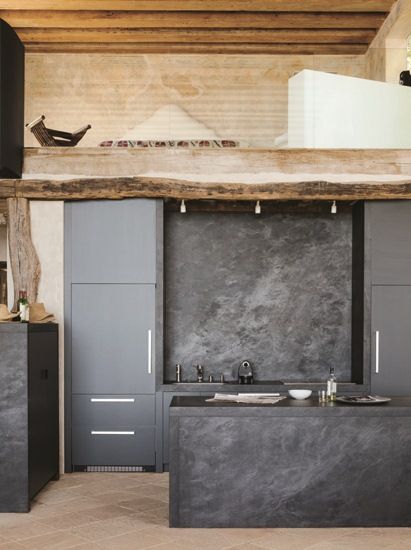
<point x="389" y="229"/>
<point x="29" y="412"/>
<point x="11" y="102"/>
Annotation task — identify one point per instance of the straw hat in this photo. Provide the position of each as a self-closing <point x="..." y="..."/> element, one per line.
<point x="38" y="314"/>
<point x="5" y="315"/>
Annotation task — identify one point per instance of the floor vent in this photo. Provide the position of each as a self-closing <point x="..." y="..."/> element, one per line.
<point x="115" y="469"/>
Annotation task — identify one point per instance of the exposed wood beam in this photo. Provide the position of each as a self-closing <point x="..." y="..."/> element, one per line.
<point x="155" y="187"/>
<point x="25" y="265"/>
<point x="201" y="5"/>
<point x="150" y="19"/>
<point x="241" y="165"/>
<point x="197" y="48"/>
<point x="251" y="36"/>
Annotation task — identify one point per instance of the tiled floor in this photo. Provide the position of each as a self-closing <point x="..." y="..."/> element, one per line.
<point x="130" y="512"/>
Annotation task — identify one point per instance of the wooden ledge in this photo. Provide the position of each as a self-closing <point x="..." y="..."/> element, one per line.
<point x="222" y="174"/>
<point x="146" y="187"/>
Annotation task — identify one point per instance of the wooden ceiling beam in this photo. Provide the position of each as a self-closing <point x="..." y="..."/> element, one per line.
<point x="251" y="36"/>
<point x="201" y="5"/>
<point x="213" y="20"/>
<point x="196" y="48"/>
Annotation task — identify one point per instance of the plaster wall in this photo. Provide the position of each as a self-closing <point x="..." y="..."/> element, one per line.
<point x="236" y="97"/>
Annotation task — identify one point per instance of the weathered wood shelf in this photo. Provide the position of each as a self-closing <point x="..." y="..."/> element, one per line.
<point x="223" y="174"/>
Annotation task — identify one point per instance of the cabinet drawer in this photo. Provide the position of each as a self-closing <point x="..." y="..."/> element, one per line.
<point x="124" y="446"/>
<point x="113" y="411"/>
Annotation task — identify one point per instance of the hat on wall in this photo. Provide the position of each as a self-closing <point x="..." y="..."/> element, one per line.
<point x="6" y="315"/>
<point x="38" y="314"/>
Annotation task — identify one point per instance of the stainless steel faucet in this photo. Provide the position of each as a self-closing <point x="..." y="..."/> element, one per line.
<point x="200" y="373"/>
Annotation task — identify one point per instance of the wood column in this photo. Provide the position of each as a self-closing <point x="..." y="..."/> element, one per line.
<point x="25" y="265"/>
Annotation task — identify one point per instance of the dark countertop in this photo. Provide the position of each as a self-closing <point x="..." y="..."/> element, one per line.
<point x="199" y="406"/>
<point x="259" y="386"/>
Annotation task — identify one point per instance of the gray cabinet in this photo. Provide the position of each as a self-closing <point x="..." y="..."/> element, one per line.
<point x="388" y="226"/>
<point x="390" y="232"/>
<point x="391" y="340"/>
<point x="112" y="296"/>
<point x="117" y="430"/>
<point x="113" y="241"/>
<point x="113" y="330"/>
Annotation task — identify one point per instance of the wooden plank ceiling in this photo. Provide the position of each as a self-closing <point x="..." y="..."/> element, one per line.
<point x="197" y="26"/>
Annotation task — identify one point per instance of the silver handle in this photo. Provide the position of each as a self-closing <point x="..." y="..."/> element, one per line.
<point x="94" y="432"/>
<point x="112" y="400"/>
<point x="377" y="351"/>
<point x="149" y="352"/>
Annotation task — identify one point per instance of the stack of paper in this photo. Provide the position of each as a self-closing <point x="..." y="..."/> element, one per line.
<point x="259" y="398"/>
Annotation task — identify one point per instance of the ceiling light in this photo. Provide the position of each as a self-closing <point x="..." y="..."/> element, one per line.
<point x="257" y="207"/>
<point x="334" y="207"/>
<point x="183" y="208"/>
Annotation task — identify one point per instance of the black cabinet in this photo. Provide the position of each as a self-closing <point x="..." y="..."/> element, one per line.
<point x="29" y="412"/>
<point x="391" y="330"/>
<point x="390" y="232"/>
<point x="388" y="224"/>
<point x="112" y="304"/>
<point x="11" y="102"/>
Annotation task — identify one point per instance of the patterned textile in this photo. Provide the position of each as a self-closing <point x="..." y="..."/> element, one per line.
<point x="190" y="144"/>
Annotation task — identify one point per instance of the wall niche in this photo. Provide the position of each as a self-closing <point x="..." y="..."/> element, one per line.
<point x="275" y="288"/>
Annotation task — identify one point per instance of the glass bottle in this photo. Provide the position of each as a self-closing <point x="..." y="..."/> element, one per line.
<point x="23" y="306"/>
<point x="332" y="386"/>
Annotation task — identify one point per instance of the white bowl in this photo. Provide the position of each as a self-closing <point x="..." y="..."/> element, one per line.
<point x="300" y="394"/>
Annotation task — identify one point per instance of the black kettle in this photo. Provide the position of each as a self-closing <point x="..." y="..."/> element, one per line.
<point x="245" y="373"/>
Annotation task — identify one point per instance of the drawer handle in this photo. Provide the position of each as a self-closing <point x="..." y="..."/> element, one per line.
<point x="149" y="352"/>
<point x="377" y="351"/>
<point x="94" y="432"/>
<point x="112" y="400"/>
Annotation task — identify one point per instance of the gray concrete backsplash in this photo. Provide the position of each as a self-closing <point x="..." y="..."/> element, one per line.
<point x="274" y="289"/>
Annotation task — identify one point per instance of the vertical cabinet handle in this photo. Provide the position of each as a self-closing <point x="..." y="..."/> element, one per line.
<point x="149" y="351"/>
<point x="377" y="351"/>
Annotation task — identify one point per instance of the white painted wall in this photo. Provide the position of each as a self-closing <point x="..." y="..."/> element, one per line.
<point x="332" y="111"/>
<point x="47" y="228"/>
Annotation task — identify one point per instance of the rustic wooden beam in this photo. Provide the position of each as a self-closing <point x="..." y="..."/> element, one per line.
<point x="195" y="36"/>
<point x="152" y="187"/>
<point x="242" y="164"/>
<point x="201" y="19"/>
<point x="25" y="265"/>
<point x="200" y="5"/>
<point x="7" y="189"/>
<point x="197" y="48"/>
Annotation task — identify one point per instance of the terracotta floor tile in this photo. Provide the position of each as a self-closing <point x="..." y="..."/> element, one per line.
<point x="109" y="528"/>
<point x="12" y="546"/>
<point x="60" y="540"/>
<point x="132" y="541"/>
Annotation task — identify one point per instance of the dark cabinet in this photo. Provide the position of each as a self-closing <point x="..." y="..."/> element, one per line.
<point x="29" y="412"/>
<point x="391" y="340"/>
<point x="390" y="236"/>
<point x="111" y="304"/>
<point x="11" y="102"/>
<point x="113" y="330"/>
<point x="388" y="224"/>
<point x="113" y="241"/>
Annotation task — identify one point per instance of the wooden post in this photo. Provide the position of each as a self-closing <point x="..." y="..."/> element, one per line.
<point x="25" y="265"/>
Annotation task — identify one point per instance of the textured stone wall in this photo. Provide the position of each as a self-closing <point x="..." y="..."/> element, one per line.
<point x="274" y="289"/>
<point x="238" y="97"/>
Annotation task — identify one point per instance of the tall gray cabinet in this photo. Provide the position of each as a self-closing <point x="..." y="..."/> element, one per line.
<point x="389" y="233"/>
<point x="111" y="299"/>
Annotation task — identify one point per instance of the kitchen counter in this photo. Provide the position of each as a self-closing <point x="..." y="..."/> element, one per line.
<point x="258" y="386"/>
<point x="292" y="464"/>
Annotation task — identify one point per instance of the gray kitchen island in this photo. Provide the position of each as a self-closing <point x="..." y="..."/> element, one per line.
<point x="292" y="464"/>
